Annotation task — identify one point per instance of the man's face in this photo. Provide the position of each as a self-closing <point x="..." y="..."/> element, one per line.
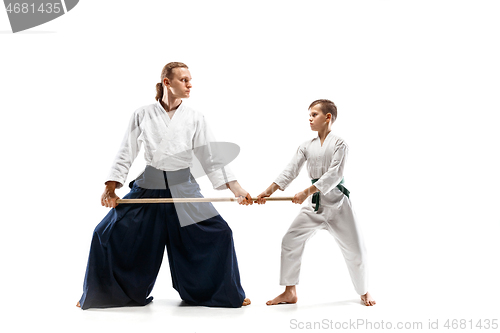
<point x="180" y="84"/>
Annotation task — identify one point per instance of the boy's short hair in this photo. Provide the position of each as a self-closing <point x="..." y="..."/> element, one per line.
<point x="326" y="106"/>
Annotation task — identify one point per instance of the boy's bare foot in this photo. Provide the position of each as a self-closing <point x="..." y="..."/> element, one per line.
<point x="368" y="299"/>
<point x="78" y="304"/>
<point x="289" y="297"/>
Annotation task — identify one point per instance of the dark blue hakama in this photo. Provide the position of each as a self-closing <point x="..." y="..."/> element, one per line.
<point x="128" y="245"/>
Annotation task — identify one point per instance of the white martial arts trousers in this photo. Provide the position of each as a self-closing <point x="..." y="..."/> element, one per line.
<point x="340" y="221"/>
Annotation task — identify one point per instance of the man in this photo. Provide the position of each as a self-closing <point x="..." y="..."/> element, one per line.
<point x="128" y="245"/>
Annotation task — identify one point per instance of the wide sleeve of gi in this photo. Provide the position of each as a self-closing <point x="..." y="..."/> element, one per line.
<point x="293" y="168"/>
<point x="128" y="151"/>
<point x="210" y="157"/>
<point x="332" y="177"/>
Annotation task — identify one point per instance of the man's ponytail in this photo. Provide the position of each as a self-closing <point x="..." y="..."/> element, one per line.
<point x="159" y="91"/>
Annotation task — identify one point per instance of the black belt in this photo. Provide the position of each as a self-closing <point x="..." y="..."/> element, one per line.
<point x="155" y="179"/>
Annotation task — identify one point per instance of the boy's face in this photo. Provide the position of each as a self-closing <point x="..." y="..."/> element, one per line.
<point x="317" y="119"/>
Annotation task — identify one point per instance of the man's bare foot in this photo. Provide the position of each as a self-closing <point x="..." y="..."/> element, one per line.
<point x="289" y="297"/>
<point x="246" y="302"/>
<point x="368" y="299"/>
<point x="78" y="304"/>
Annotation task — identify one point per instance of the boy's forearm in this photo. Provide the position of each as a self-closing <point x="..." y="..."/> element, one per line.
<point x="273" y="188"/>
<point x="311" y="190"/>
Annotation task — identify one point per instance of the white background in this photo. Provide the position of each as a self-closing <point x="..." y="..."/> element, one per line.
<point x="416" y="84"/>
